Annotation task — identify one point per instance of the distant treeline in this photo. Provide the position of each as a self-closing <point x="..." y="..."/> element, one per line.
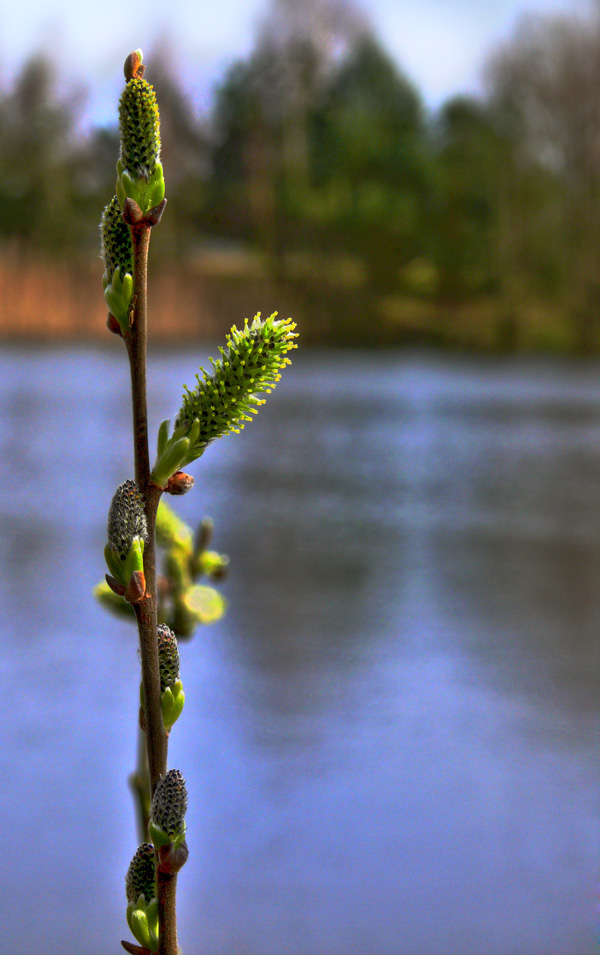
<point x="320" y="174"/>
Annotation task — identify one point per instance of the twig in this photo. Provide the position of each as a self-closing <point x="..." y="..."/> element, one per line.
<point x="145" y="609"/>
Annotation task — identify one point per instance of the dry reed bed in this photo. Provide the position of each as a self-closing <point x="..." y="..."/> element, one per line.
<point x="46" y="299"/>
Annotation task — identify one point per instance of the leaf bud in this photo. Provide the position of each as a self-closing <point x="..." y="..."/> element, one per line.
<point x="179" y="483"/>
<point x="133" y="65"/>
<point x="113" y="324"/>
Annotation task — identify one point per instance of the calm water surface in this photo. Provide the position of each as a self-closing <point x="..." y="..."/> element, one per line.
<point x="391" y="741"/>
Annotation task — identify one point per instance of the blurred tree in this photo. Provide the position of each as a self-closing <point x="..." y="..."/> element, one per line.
<point x="244" y="155"/>
<point x="38" y="129"/>
<point x="372" y="172"/>
<point x="306" y="41"/>
<point x="262" y="118"/>
<point x="494" y="216"/>
<point x="465" y="207"/>
<point x="321" y="142"/>
<point x="543" y="96"/>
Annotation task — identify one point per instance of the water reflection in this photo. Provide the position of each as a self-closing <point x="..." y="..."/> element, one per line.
<point x="391" y="740"/>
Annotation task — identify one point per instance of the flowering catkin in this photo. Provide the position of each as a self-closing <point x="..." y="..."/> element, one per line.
<point x="251" y="365"/>
<point x="140" y="128"/>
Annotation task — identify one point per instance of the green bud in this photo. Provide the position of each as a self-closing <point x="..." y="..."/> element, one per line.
<point x="163" y="436"/>
<point x="117" y="255"/>
<point x="141" y="874"/>
<point x="222" y="402"/>
<point x="167" y="812"/>
<point x="126" y="519"/>
<point x="140" y="888"/>
<point x="139" y="172"/>
<point x="116" y="567"/>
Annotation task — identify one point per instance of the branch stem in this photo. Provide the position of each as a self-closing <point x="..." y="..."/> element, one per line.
<point x="136" y="341"/>
<point x="145" y="609"/>
<point x="166" y="886"/>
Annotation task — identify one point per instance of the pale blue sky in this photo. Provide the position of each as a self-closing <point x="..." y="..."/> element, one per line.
<point x="440" y="44"/>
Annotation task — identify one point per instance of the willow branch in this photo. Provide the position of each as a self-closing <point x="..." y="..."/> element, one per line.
<point x="137" y="341"/>
<point x="166" y="888"/>
<point x="145" y="609"/>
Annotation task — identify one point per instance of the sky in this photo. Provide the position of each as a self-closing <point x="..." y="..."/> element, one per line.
<point x="439" y="44"/>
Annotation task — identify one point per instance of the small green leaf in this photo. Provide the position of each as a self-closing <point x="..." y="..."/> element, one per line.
<point x="135" y="558"/>
<point x="158" y="836"/>
<point x="172" y="459"/>
<point x="172" y="702"/>
<point x="138" y="923"/>
<point x="166" y="705"/>
<point x="163" y="437"/>
<point x="115" y="565"/>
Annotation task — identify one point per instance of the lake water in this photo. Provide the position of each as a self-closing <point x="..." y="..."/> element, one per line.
<point x="391" y="741"/>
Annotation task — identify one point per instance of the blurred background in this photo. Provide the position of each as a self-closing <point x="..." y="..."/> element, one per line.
<point x="391" y="738"/>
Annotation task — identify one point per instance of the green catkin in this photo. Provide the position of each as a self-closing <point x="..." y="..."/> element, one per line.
<point x="126" y="518"/>
<point x="250" y="365"/>
<point x="141" y="875"/>
<point x="168" y="657"/>
<point x="140" y="128"/>
<point x="116" y="247"/>
<point x="169" y="803"/>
